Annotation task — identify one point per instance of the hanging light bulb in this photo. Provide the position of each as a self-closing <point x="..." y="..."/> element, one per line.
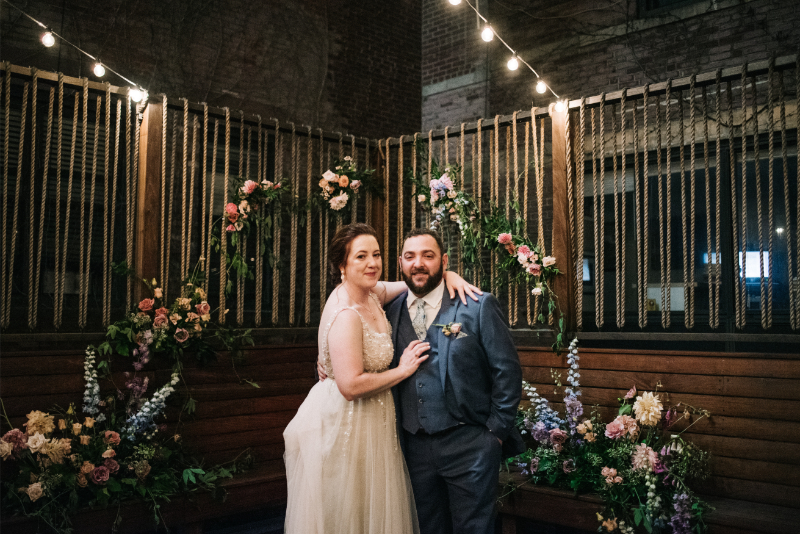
<point x="513" y="63"/>
<point x="560" y="106"/>
<point x="135" y="94"/>
<point x="99" y="70"/>
<point x="48" y="40"/>
<point x="455" y="2"/>
<point x="541" y="87"/>
<point x="487" y="34"/>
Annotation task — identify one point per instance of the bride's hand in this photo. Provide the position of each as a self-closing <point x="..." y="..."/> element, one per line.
<point x="413" y="356"/>
<point x="456" y="283"/>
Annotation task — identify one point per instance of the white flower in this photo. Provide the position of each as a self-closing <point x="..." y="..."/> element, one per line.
<point x="244" y="207"/>
<point x="329" y="175"/>
<point x="338" y="202"/>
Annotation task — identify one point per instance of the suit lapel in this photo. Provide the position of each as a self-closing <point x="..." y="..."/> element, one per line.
<point x="447" y="314"/>
<point x="394" y="320"/>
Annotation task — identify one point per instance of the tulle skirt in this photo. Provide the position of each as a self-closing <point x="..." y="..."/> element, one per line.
<point x="344" y="467"/>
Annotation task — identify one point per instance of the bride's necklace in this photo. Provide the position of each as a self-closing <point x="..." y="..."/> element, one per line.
<point x="367" y="306"/>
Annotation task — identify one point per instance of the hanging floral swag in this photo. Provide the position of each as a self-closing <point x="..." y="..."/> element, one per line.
<point x="120" y="448"/>
<point x="340" y="186"/>
<point x="521" y="261"/>
<point x="252" y="206"/>
<point x="640" y="463"/>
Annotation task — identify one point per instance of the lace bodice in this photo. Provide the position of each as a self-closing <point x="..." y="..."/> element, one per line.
<point x="378" y="349"/>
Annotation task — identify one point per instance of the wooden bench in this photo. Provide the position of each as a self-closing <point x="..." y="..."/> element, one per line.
<point x="231" y="417"/>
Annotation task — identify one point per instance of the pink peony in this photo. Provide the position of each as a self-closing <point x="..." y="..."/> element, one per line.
<point x="111" y="465"/>
<point x="534" y="269"/>
<point x="623" y="425"/>
<point x="524" y="249"/>
<point x="160" y="321"/>
<point x="504" y="239"/>
<point x="146" y="305"/>
<point x="181" y="335"/>
<point x="446" y="181"/>
<point x="100" y="475"/>
<point x="249" y="186"/>
<point x="203" y="308"/>
<point x="111" y="437"/>
<point x="615" y="429"/>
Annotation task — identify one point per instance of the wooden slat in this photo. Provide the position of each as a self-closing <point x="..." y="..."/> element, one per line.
<point x="750" y="491"/>
<point x="768" y="472"/>
<point x="749" y="449"/>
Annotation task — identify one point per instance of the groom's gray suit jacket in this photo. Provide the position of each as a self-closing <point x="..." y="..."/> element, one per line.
<point x="480" y="371"/>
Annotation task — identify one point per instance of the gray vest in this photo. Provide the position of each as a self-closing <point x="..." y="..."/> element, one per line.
<point x="422" y="398"/>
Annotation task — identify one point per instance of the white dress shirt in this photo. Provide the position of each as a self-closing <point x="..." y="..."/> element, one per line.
<point x="433" y="302"/>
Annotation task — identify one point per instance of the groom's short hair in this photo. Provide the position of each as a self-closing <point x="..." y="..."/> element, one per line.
<point x="416" y="232"/>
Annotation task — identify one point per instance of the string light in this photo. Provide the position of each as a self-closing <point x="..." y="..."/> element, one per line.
<point x="560" y="106"/>
<point x="488" y="34"/>
<point x="48" y="40"/>
<point x="136" y="93"/>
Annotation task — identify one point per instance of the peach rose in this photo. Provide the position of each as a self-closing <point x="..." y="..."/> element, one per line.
<point x="344" y="181"/>
<point x="111" y="437"/>
<point x="158" y="293"/>
<point x="109" y="453"/>
<point x="146" y="305"/>
<point x="162" y="311"/>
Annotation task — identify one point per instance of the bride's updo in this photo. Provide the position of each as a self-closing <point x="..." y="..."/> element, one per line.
<point x="340" y="246"/>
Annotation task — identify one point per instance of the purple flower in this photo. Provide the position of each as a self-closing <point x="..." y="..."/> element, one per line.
<point x="680" y="520"/>
<point x="574" y="411"/>
<point x="540" y="433"/>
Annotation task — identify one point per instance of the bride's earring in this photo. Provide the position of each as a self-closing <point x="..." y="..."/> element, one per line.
<point x="343" y="277"/>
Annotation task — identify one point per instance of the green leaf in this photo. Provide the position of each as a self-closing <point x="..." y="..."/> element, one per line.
<point x="255" y="385"/>
<point x="188" y="476"/>
<point x="625" y="409"/>
<point x="114" y="486"/>
<point x="190" y="405"/>
<point x="637" y="516"/>
<point x="129" y="481"/>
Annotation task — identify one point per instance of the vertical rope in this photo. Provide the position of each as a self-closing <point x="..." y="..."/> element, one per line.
<point x="163" y="248"/>
<point x="600" y="290"/>
<point x="91" y="210"/>
<point x="743" y="278"/>
<point x="514" y="291"/>
<point x="294" y="226"/>
<point x="223" y="237"/>
<point x="276" y="235"/>
<point x="60" y="277"/>
<point x="495" y="197"/>
<point x="787" y="209"/>
<point x="734" y="211"/>
<point x="687" y="302"/>
<point x="205" y="252"/>
<point x="193" y="173"/>
<point x="106" y="252"/>
<point x="114" y="204"/>
<point x="617" y="222"/>
<point x="709" y="238"/>
<point x="646" y="201"/>
<point x="31" y="196"/>
<point x="341" y="147"/>
<point x="309" y="176"/>
<point x="323" y="245"/>
<point x="527" y="196"/>
<point x="571" y="198"/>
<point x="797" y="199"/>
<point x="82" y="238"/>
<point x="666" y="316"/>
<point x="400" y="196"/>
<point x="6" y="143"/>
<point x="446" y="147"/>
<point x="260" y="178"/>
<point x="8" y="291"/>
<point x="508" y="216"/>
<point x="184" y="181"/>
<point x="170" y="202"/>
<point x="244" y="152"/>
<point x="598" y="317"/>
<point x="463" y="165"/>
<point x="130" y="198"/>
<point x="479" y="183"/>
<point x="692" y="206"/>
<point x="623" y="215"/>
<point x="757" y="165"/>
<point x="641" y="289"/>
<point x="368" y="196"/>
<point x="581" y="164"/>
<point x="770" y="186"/>
<point x="386" y="168"/>
<point x="211" y="196"/>
<point x="137" y="130"/>
<point x="427" y="221"/>
<point x="353" y="157"/>
<point x="46" y="172"/>
<point x="718" y="195"/>
<point x="413" y="184"/>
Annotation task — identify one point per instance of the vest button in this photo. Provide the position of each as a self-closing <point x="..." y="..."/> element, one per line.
<point x="420" y="401"/>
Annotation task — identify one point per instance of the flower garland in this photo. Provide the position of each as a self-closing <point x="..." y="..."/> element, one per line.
<point x="340" y="186"/>
<point x="440" y="193"/>
<point x="638" y="463"/>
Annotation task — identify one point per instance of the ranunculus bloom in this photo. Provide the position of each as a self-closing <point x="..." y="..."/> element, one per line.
<point x="344" y="181"/>
<point x="160" y="321"/>
<point x="111" y="437"/>
<point x="76" y="428"/>
<point x="87" y="467"/>
<point x="615" y="429"/>
<point x="203" y="308"/>
<point x="100" y="475"/>
<point x="181" y="335"/>
<point x="85" y="439"/>
<point x="89" y="422"/>
<point x="34" y="491"/>
<point x="323" y="183"/>
<point x="158" y="292"/>
<point x="524" y="249"/>
<point x="230" y="208"/>
<point x="504" y="239"/>
<point x="109" y="453"/>
<point x="230" y="228"/>
<point x="249" y="186"/>
<point x="111" y="465"/>
<point x="146" y="305"/>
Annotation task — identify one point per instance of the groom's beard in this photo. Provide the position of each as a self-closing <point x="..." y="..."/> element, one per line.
<point x="433" y="280"/>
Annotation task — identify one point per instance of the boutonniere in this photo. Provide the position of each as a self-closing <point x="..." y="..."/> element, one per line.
<point x="452" y="329"/>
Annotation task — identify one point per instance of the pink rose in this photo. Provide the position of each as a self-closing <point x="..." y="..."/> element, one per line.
<point x="524" y="249"/>
<point x="111" y="437"/>
<point x="181" y="335"/>
<point x="146" y="305"/>
<point x="162" y="311"/>
<point x="504" y="239"/>
<point x="615" y="429"/>
<point x="355" y="184"/>
<point x="276" y="186"/>
<point x="455" y="328"/>
<point x="231" y="208"/>
<point x="230" y="228"/>
<point x="203" y="308"/>
<point x="548" y="261"/>
<point x="233" y="217"/>
<point x="160" y="321"/>
<point x="111" y="465"/>
<point x="534" y="269"/>
<point x="100" y="475"/>
<point x="249" y="186"/>
<point x="558" y="436"/>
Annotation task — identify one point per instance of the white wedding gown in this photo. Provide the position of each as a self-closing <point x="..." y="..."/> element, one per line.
<point x="344" y="466"/>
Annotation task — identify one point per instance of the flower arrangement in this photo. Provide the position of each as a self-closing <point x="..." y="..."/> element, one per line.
<point x="251" y="205"/>
<point x="639" y="463"/>
<point x="119" y="449"/>
<point x="439" y="191"/>
<point x="340" y="185"/>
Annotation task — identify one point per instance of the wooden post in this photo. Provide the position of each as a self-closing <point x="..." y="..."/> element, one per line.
<point x="564" y="283"/>
<point x="148" y="216"/>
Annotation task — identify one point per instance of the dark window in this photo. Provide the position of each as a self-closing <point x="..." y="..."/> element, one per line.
<point x="656" y="7"/>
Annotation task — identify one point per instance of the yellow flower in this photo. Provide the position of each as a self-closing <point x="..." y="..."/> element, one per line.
<point x="89" y="422"/>
<point x="648" y="409"/>
<point x="76" y="428"/>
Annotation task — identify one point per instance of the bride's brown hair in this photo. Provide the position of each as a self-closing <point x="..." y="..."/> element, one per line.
<point x="340" y="246"/>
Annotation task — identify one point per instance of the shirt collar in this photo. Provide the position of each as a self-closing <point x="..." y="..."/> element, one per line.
<point x="432" y="299"/>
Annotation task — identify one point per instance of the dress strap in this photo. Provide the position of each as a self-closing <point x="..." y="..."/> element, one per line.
<point x="330" y="324"/>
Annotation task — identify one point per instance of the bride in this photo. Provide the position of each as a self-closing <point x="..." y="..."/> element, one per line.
<point x="344" y="467"/>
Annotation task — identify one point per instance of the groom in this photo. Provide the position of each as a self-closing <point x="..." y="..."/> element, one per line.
<point x="456" y="413"/>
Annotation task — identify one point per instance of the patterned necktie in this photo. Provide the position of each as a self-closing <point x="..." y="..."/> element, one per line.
<point x="419" y="320"/>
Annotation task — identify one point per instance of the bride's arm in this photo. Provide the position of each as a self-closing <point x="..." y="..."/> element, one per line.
<point x="386" y="291"/>
<point x="345" y="345"/>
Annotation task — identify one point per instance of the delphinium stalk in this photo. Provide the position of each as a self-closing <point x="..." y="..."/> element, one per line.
<point x="91" y="395"/>
<point x="142" y="421"/>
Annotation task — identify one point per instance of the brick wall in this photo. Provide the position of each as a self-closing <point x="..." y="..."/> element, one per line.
<point x="583" y="48"/>
<point x="344" y="66"/>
